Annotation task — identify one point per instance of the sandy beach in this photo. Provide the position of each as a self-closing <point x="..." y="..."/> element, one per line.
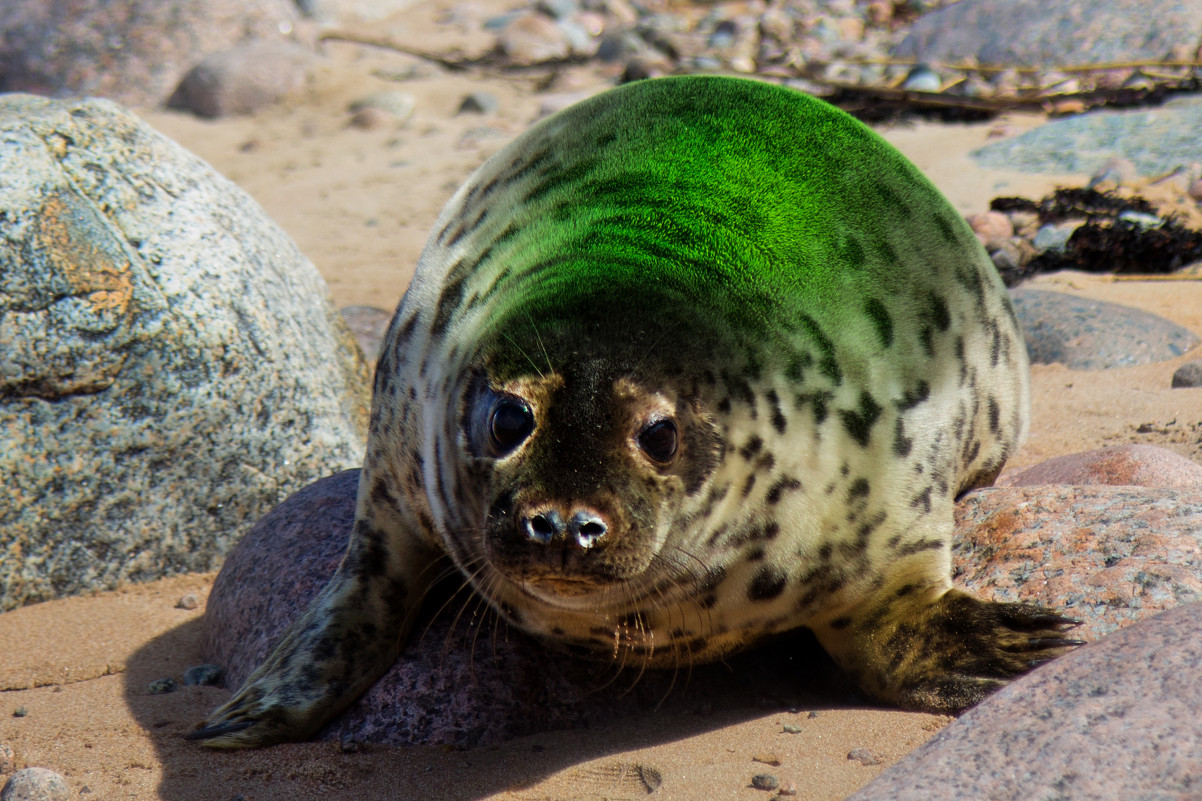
<point x="74" y="674"/>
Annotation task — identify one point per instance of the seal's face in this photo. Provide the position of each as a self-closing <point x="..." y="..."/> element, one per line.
<point x="579" y="475"/>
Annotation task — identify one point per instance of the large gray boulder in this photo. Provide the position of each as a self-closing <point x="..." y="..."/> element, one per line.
<point x="170" y="364"/>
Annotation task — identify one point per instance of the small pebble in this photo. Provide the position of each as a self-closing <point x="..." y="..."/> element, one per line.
<point x="188" y="601"/>
<point x="792" y="729"/>
<point x="991" y="227"/>
<point x="813" y="714"/>
<point x="206" y="675"/>
<point x="765" y="781"/>
<point x="788" y="788"/>
<point x="371" y="119"/>
<point x="20" y="712"/>
<point x="479" y="103"/>
<point x="162" y="686"/>
<point x="1188" y="375"/>
<point x="1141" y="219"/>
<point x="767" y="759"/>
<point x="1055" y="237"/>
<point x="863" y="756"/>
<point x="35" y="784"/>
<point x="922" y="79"/>
<point x="8" y="759"/>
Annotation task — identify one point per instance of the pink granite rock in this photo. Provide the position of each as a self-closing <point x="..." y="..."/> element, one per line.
<point x="465" y="679"/>
<point x="1131" y="464"/>
<point x="1107" y="556"/>
<point x="1114" y="720"/>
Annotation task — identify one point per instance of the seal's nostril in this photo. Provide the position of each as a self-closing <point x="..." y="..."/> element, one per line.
<point x="588" y="528"/>
<point x="542" y="528"/>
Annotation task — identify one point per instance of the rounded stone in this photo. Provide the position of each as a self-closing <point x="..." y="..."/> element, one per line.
<point x="243" y="79"/>
<point x="170" y="363"/>
<point x="35" y="784"/>
<point x="133" y="51"/>
<point x="1129" y="464"/>
<point x="991" y="227"/>
<point x="1188" y="375"/>
<point x="1114" y="719"/>
<point x="1085" y="334"/>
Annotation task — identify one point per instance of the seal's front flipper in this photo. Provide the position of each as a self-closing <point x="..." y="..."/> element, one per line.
<point x="349" y="636"/>
<point x="943" y="651"/>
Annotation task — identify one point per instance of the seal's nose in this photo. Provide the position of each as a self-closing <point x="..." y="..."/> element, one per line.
<point x="583" y="529"/>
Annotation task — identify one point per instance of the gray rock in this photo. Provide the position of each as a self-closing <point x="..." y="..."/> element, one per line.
<point x="1055" y="236"/>
<point x="1156" y="141"/>
<point x="369" y="325"/>
<point x="8" y="759"/>
<point x="399" y="105"/>
<point x="243" y="79"/>
<point x="1105" y="555"/>
<point x="134" y="51"/>
<point x="1188" y="375"/>
<point x="1117" y="719"/>
<point x="1088" y="334"/>
<point x="170" y="364"/>
<point x="35" y="784"/>
<point x="1043" y="33"/>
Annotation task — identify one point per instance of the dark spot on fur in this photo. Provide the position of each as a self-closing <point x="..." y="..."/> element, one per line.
<point x="769" y="582"/>
<point x="859" y="422"/>
<point x="879" y="315"/>
<point x="780" y="487"/>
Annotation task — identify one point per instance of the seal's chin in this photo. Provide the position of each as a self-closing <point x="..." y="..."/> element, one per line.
<point x="553" y="588"/>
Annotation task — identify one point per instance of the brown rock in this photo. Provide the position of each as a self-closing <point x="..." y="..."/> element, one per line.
<point x="533" y="39"/>
<point x="244" y="79"/>
<point x="1130" y="464"/>
<point x="991" y="227"/>
<point x="134" y="51"/>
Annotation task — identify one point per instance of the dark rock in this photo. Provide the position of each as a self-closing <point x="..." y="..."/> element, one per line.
<point x="1105" y="555"/>
<point x="135" y="51"/>
<point x="244" y="79"/>
<point x="204" y="675"/>
<point x="1088" y="334"/>
<point x="170" y="364"/>
<point x="35" y="784"/>
<point x="1188" y="375"/>
<point x="479" y="103"/>
<point x="1129" y="465"/>
<point x="1043" y="33"/>
<point x="1112" y="720"/>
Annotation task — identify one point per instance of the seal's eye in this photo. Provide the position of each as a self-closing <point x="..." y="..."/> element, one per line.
<point x="658" y="440"/>
<point x="509" y="423"/>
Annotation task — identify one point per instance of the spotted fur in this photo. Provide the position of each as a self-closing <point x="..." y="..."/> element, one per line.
<point x="693" y="362"/>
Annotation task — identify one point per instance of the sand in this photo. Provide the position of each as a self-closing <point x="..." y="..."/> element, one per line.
<point x="359" y="203"/>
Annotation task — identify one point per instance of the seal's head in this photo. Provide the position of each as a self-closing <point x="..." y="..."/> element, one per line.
<point x="581" y="466"/>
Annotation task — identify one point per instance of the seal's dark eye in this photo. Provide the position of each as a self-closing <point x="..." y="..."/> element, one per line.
<point x="658" y="440"/>
<point x="509" y="423"/>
